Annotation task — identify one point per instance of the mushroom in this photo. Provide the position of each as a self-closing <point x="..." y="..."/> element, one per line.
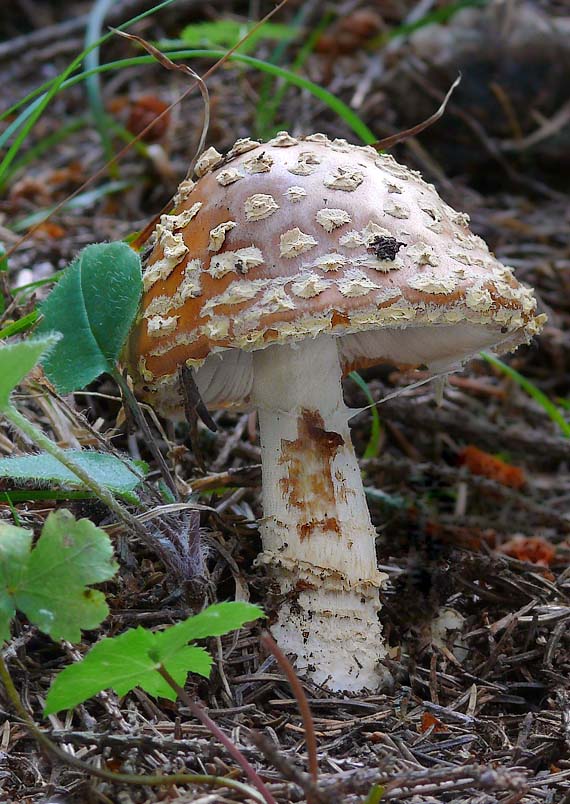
<point x="285" y="266"/>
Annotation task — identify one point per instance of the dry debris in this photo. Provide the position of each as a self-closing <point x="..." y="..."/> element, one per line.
<point x="477" y="608"/>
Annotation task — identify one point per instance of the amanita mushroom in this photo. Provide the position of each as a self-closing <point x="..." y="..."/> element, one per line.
<point x="285" y="266"/>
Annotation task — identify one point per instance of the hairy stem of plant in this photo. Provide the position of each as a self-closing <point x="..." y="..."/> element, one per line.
<point x="117" y="778"/>
<point x="200" y="713"/>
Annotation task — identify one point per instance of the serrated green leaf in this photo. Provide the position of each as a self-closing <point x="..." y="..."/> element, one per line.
<point x="93" y="305"/>
<point x="116" y="662"/>
<point x="189" y="659"/>
<point x="17" y="360"/>
<point x="216" y="620"/>
<point x="50" y="584"/>
<point x="15" y="544"/>
<point x="123" y="663"/>
<point x="106" y="469"/>
<point x="69" y="546"/>
<point x="131" y="659"/>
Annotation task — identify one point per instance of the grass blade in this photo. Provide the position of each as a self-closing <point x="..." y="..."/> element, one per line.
<point x="373" y="447"/>
<point x="527" y="385"/>
<point x="336" y="105"/>
<point x="93" y="83"/>
<point x="27" y="119"/>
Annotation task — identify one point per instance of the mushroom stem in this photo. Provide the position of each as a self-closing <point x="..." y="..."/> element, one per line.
<point x="317" y="535"/>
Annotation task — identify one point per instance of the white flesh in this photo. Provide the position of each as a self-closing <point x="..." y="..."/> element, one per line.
<point x="317" y="535"/>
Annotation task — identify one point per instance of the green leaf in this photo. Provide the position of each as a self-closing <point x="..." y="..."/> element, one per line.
<point x="93" y="305"/>
<point x="216" y="620"/>
<point x="3" y="267"/>
<point x="133" y="658"/>
<point x="121" y="477"/>
<point x="81" y="201"/>
<point x="189" y="659"/>
<point x="15" y="544"/>
<point x="375" y="794"/>
<point x="225" y="33"/>
<point x="49" y="584"/>
<point x="123" y="663"/>
<point x="389" y="500"/>
<point x="21" y="325"/>
<point x="17" y="360"/>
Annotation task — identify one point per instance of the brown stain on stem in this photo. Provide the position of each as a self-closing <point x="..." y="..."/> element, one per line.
<point x="309" y="485"/>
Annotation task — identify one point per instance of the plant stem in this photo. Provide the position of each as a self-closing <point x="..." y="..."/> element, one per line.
<point x="43" y="442"/>
<point x="310" y="738"/>
<point x="117" y="778"/>
<point x="200" y="713"/>
<point x="134" y="407"/>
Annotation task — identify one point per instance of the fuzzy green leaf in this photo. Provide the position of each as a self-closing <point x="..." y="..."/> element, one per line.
<point x="93" y="305"/>
<point x="50" y="584"/>
<point x="106" y="469"/>
<point x="132" y="659"/>
<point x="17" y="360"/>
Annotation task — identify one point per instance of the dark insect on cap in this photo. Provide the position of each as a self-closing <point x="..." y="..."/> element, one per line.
<point x="385" y="248"/>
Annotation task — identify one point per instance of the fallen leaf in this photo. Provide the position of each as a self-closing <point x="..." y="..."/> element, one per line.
<point x="52" y="230"/>
<point x="483" y="463"/>
<point x="533" y="549"/>
<point x="143" y="111"/>
<point x="429" y="720"/>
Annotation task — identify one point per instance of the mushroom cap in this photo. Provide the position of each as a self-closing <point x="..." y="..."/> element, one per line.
<point x="299" y="238"/>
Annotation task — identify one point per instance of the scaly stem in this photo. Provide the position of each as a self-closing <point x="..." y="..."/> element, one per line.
<point x="317" y="535"/>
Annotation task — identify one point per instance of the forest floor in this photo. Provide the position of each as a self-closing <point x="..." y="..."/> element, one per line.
<point x="470" y="497"/>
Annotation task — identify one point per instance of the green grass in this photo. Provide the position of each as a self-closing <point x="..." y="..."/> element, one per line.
<point x="271" y="96"/>
<point x="335" y="104"/>
<point x="438" y="17"/>
<point x="21" y="325"/>
<point x="45" y="145"/>
<point x="24" y="123"/>
<point x="373" y="447"/>
<point x="531" y="389"/>
<point x="93" y="82"/>
<point x="86" y="199"/>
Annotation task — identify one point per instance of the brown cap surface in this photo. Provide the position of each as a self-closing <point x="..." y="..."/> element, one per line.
<point x="298" y="238"/>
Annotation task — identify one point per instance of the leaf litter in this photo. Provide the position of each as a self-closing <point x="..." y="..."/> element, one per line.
<point x="477" y="712"/>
